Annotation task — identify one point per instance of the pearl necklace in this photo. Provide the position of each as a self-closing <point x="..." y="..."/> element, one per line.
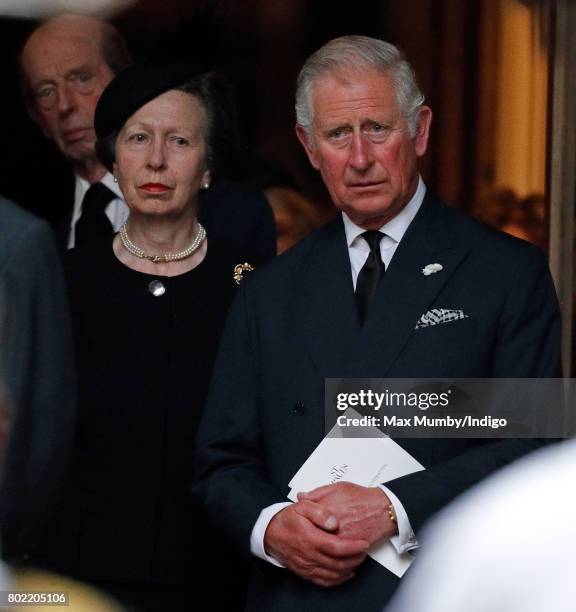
<point x="165" y="257"/>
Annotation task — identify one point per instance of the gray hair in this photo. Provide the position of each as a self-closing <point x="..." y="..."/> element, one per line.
<point x="359" y="53"/>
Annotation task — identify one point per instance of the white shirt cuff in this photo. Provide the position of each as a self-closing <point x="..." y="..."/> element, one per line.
<point x="259" y="529"/>
<point x="406" y="538"/>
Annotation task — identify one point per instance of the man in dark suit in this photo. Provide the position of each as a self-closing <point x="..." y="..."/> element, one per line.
<point x="37" y="368"/>
<point x="65" y="64"/>
<point x="355" y="300"/>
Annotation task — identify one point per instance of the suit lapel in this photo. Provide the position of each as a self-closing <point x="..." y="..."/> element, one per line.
<point x="325" y="310"/>
<point x="405" y="292"/>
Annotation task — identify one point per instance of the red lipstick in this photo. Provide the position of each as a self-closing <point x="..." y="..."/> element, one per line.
<point x="154" y="187"/>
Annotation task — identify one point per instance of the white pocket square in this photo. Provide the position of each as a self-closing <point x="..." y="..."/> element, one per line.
<point x="438" y="316"/>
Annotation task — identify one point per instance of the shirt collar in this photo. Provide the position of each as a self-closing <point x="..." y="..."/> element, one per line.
<point x="396" y="227"/>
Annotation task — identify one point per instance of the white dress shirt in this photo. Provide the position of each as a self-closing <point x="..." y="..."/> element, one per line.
<point x="394" y="230"/>
<point x="358" y="251"/>
<point x="116" y="211"/>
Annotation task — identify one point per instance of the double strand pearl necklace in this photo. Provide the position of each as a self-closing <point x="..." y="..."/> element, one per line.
<point x="165" y="257"/>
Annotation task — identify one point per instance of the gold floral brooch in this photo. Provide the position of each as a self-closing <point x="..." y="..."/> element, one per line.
<point x="239" y="271"/>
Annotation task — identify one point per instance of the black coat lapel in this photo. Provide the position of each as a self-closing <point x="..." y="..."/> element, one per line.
<point x="406" y="293"/>
<point x="325" y="310"/>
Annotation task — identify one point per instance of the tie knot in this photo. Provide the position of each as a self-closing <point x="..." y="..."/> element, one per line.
<point x="373" y="238"/>
<point x="98" y="196"/>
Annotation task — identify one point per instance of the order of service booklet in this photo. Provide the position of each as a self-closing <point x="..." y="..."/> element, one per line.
<point x="367" y="461"/>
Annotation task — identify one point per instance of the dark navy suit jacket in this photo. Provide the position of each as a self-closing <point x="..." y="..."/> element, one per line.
<point x="293" y="324"/>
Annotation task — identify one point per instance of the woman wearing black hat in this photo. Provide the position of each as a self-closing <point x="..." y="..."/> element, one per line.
<point x="148" y="307"/>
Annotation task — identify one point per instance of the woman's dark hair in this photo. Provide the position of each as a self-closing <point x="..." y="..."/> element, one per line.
<point x="216" y="95"/>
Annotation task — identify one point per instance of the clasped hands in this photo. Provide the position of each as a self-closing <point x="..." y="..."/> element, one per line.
<point x="324" y="537"/>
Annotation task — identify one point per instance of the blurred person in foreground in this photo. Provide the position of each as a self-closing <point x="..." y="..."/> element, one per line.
<point x="37" y="370"/>
<point x="399" y="286"/>
<point x="495" y="550"/>
<point x="148" y="306"/>
<point x="65" y="65"/>
<point x="15" y="578"/>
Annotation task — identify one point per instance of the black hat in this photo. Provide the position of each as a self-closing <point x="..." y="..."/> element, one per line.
<point x="140" y="83"/>
<point x="136" y="86"/>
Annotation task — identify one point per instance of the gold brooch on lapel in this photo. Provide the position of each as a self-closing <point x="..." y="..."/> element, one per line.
<point x="432" y="269"/>
<point x="239" y="271"/>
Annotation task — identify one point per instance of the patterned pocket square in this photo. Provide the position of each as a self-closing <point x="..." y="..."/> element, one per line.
<point x="437" y="316"/>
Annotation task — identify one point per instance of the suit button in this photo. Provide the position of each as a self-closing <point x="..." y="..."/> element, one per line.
<point x="299" y="408"/>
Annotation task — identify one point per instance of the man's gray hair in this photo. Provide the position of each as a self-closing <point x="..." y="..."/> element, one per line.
<point x="359" y="53"/>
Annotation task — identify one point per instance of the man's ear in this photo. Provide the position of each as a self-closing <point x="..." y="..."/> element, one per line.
<point x="422" y="130"/>
<point x="305" y="139"/>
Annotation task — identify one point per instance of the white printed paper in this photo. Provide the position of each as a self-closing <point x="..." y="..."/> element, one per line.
<point x="368" y="462"/>
<point x="385" y="554"/>
<point x="364" y="461"/>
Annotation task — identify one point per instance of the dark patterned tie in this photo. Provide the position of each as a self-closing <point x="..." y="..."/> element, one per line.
<point x="370" y="274"/>
<point x="94" y="223"/>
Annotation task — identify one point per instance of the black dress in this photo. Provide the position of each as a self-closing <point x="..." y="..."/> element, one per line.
<point x="145" y="350"/>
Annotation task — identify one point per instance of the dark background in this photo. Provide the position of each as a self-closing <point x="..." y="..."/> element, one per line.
<point x="266" y="43"/>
